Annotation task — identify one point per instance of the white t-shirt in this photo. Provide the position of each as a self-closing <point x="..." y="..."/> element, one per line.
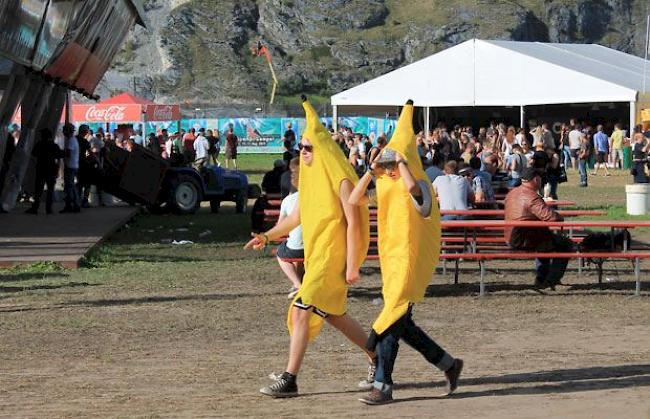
<point x="574" y="139"/>
<point x="452" y="190"/>
<point x="72" y="147"/>
<point x="289" y="203"/>
<point x="201" y="146"/>
<point x="520" y="139"/>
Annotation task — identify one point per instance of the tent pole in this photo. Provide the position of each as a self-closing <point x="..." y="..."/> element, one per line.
<point x="335" y="118"/>
<point x="522" y="116"/>
<point x="632" y="118"/>
<point x="427" y="126"/>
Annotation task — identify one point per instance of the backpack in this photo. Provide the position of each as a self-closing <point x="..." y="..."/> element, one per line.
<point x="602" y="242"/>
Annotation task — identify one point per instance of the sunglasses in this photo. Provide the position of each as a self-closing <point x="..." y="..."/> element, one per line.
<point x="307" y="148"/>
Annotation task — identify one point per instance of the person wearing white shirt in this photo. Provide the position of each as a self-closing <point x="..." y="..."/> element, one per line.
<point x="293" y="247"/>
<point x="453" y="191"/>
<point x="574" y="144"/>
<point x="71" y="167"/>
<point x="201" y="147"/>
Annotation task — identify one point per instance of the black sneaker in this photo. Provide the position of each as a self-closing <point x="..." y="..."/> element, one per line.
<point x="32" y="210"/>
<point x="453" y="374"/>
<point x="377" y="397"/>
<point x="283" y="387"/>
<point x="66" y="210"/>
<point x="367" y="383"/>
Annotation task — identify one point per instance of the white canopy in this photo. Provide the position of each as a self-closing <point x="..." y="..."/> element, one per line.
<point x="506" y="73"/>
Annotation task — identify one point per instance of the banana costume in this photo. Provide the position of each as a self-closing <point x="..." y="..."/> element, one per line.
<point x="324" y="228"/>
<point x="409" y="244"/>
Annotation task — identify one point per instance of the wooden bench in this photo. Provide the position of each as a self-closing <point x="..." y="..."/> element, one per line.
<point x="482" y="258"/>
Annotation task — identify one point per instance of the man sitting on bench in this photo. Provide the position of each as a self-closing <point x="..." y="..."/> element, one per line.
<point x="525" y="204"/>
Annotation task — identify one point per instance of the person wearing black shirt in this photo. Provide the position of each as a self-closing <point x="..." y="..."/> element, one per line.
<point x="639" y="159"/>
<point x="290" y="136"/>
<point x="47" y="155"/>
<point x="83" y="175"/>
<point x="271" y="180"/>
<point x="289" y="153"/>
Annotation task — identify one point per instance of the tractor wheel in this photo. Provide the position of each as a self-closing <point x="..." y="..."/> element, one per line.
<point x="185" y="195"/>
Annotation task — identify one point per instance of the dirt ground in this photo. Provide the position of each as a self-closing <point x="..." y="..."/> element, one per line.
<point x="99" y="342"/>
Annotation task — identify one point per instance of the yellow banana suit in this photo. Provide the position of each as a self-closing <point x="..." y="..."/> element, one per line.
<point x="409" y="244"/>
<point x="324" y="226"/>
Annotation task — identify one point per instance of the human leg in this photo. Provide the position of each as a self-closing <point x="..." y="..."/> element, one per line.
<point x="432" y="352"/>
<point x="49" y="197"/>
<point x="557" y="266"/>
<point x="70" y="189"/>
<point x="552" y="181"/>
<point x="299" y="339"/>
<point x="541" y="270"/>
<point x="353" y="331"/>
<point x="39" y="185"/>
<point x="289" y="269"/>
<point x="582" y="169"/>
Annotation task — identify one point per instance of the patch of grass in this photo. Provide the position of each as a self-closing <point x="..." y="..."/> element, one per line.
<point x="36" y="268"/>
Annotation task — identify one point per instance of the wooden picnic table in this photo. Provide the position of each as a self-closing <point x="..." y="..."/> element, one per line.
<point x="478" y="224"/>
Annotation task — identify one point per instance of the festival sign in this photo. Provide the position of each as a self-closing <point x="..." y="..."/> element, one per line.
<point x="256" y="135"/>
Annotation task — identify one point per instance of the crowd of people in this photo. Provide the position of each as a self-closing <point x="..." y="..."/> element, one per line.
<point x="79" y="153"/>
<point x="462" y="168"/>
<point x="463" y="165"/>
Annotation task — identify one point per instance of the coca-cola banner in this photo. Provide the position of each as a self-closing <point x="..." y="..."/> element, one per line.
<point x="162" y="112"/>
<point x="124" y="113"/>
<point x="106" y="113"/>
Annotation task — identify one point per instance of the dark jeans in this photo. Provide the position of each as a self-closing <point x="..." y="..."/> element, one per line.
<point x="388" y="345"/>
<point x="638" y="168"/>
<point x="42" y="180"/>
<point x="551" y="271"/>
<point x="71" y="196"/>
<point x="582" y="168"/>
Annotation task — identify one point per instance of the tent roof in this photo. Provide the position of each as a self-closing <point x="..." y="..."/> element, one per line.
<point x="126" y="99"/>
<point x="506" y="73"/>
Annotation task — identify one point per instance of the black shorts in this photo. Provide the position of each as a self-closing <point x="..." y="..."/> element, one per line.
<point x="601" y="157"/>
<point x="299" y="304"/>
<point x="285" y="252"/>
<point x="574" y="152"/>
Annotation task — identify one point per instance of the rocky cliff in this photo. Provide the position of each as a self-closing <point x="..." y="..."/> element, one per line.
<point x="198" y="51"/>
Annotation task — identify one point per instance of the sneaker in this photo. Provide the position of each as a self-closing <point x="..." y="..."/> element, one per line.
<point x="283" y="387"/>
<point x="66" y="210"/>
<point x="377" y="397"/>
<point x="32" y="210"/>
<point x="453" y="374"/>
<point x="367" y="383"/>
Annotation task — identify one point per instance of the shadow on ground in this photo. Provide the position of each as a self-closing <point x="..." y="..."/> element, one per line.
<point x="550" y="381"/>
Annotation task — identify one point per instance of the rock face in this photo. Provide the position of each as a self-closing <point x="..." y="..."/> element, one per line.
<point x="198" y="51"/>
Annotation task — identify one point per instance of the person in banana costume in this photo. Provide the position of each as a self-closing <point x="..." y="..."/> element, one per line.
<point x="408" y="229"/>
<point x="335" y="236"/>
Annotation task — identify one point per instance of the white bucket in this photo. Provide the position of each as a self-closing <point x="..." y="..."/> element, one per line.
<point x="638" y="198"/>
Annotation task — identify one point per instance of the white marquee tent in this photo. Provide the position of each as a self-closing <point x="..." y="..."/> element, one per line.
<point x="507" y="73"/>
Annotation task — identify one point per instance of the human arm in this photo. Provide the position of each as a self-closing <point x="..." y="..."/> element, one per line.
<point x="353" y="234"/>
<point x="542" y="211"/>
<point x="282" y="228"/>
<point x="358" y="195"/>
<point x="407" y="177"/>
